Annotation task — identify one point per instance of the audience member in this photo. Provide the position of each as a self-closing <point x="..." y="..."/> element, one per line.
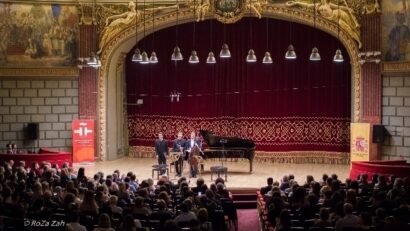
<point x="186" y="214"/>
<point x="268" y="187"/>
<point x="104" y="223"/>
<point x="348" y="220"/>
<point x="73" y="222"/>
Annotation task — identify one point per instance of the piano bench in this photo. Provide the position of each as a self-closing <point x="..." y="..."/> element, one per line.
<point x="160" y="169"/>
<point x="219" y="170"/>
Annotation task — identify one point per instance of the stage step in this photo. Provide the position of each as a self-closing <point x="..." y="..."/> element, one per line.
<point x="245" y="204"/>
<point x="244" y="199"/>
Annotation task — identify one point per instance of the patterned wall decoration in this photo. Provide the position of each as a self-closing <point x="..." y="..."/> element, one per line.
<point x="396" y="30"/>
<point x="38" y="35"/>
<point x="269" y="134"/>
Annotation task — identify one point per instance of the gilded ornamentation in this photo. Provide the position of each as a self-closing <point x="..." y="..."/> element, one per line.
<point x="115" y="23"/>
<point x="118" y="22"/>
<point x="87" y="13"/>
<point x="229" y="11"/>
<point x="256" y="6"/>
<point x="371" y="7"/>
<point x="340" y="14"/>
<point x="202" y="7"/>
<point x="396" y="68"/>
<point x="166" y="19"/>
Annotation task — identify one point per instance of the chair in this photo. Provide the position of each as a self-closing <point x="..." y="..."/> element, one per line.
<point x="229" y="209"/>
<point x="87" y="221"/>
<point x="159" y="168"/>
<point x="11" y="223"/>
<point x="354" y="229"/>
<point x="184" y="224"/>
<point x="296" y="228"/>
<point x="58" y="217"/>
<point x="321" y="229"/>
<point x="219" y="170"/>
<point x="308" y="223"/>
<point x="296" y="223"/>
<point x="154" y="224"/>
<point x="218" y="220"/>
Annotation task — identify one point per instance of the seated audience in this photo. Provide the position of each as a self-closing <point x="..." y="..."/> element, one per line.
<point x="45" y="190"/>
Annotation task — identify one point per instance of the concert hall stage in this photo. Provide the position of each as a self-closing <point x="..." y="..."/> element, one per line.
<point x="238" y="172"/>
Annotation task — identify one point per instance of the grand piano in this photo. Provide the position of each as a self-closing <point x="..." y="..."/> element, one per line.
<point x="228" y="147"/>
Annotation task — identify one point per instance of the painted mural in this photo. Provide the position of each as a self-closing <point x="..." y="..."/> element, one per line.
<point x="38" y="35"/>
<point x="396" y="30"/>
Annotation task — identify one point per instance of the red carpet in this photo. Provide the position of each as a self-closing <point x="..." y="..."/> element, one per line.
<point x="248" y="220"/>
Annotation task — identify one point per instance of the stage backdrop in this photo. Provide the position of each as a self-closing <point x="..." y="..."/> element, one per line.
<point x="295" y="110"/>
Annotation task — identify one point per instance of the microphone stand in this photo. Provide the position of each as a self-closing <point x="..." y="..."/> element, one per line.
<point x="223" y="142"/>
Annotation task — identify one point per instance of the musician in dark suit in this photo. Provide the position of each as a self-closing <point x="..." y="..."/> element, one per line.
<point x="179" y="145"/>
<point x="161" y="149"/>
<point x="189" y="145"/>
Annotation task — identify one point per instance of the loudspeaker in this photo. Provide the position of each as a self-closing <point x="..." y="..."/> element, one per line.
<point x="32" y="131"/>
<point x="378" y="133"/>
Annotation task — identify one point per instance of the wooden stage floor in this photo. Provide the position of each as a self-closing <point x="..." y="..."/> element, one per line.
<point x="238" y="172"/>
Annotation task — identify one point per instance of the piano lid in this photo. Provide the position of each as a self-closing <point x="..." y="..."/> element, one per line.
<point x="227" y="142"/>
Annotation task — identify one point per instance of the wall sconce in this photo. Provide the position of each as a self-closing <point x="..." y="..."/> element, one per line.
<point x="370" y="57"/>
<point x="92" y="61"/>
<point x="176" y="95"/>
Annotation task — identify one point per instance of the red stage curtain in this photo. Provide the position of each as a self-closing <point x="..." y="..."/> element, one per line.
<point x="290" y="105"/>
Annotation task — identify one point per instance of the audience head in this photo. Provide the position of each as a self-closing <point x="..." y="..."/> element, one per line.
<point x="129" y="223"/>
<point x="113" y="200"/>
<point x="348" y="208"/>
<point x="161" y="204"/>
<point x="202" y="215"/>
<point x="324" y="214"/>
<point x="104" y="221"/>
<point x="269" y="181"/>
<point x="324" y="177"/>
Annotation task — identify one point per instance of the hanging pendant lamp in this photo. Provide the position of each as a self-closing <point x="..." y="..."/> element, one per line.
<point x="267" y="58"/>
<point x="290" y="53"/>
<point x="314" y="56"/>
<point x="338" y="58"/>
<point x="194" y="57"/>
<point x="211" y="58"/>
<point x="251" y="57"/>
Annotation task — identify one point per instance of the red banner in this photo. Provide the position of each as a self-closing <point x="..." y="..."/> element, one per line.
<point x="83" y="140"/>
